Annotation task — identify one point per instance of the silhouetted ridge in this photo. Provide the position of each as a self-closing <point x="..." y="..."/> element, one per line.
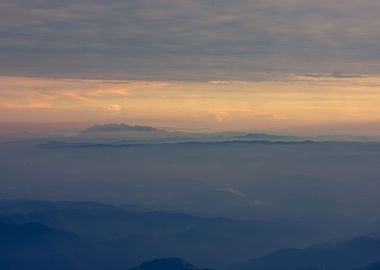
<point x="167" y="264"/>
<point x="269" y="137"/>
<point x="34" y="246"/>
<point x="118" y="127"/>
<point x="374" y="266"/>
<point x="33" y="231"/>
<point x="353" y="254"/>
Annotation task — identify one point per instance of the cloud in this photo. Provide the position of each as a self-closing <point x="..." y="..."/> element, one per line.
<point x="186" y="39"/>
<point x="232" y="191"/>
<point x="221" y="116"/>
<point x="336" y="75"/>
<point x="114" y="108"/>
<point x="220" y="82"/>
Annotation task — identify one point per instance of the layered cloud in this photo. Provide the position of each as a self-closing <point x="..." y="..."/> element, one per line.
<point x="188" y="39"/>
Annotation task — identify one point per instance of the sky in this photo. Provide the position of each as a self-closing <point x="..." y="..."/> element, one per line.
<point x="298" y="104"/>
<point x="258" y="65"/>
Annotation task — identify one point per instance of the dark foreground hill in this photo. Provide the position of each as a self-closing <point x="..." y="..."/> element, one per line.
<point x="353" y="254"/>
<point x="167" y="264"/>
<point x="34" y="246"/>
<point x="131" y="237"/>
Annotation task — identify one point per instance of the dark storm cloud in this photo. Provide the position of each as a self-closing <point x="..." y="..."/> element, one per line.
<point x="186" y="38"/>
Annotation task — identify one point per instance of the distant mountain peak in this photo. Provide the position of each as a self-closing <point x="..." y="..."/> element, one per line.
<point x="270" y="137"/>
<point x="114" y="127"/>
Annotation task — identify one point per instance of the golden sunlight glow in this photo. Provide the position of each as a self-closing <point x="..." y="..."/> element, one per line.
<point x="302" y="103"/>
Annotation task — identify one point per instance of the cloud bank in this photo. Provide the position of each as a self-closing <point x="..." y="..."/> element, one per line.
<point x="187" y="39"/>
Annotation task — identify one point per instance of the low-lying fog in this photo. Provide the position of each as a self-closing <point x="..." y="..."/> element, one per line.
<point x="314" y="182"/>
